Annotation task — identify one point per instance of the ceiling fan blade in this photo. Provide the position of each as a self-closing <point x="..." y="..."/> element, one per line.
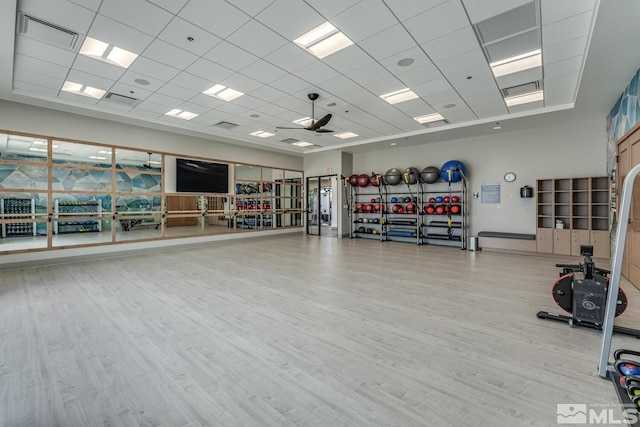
<point x="323" y="131"/>
<point x="322" y="122"/>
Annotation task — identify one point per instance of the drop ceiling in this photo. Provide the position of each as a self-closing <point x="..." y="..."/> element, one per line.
<point x="439" y="49"/>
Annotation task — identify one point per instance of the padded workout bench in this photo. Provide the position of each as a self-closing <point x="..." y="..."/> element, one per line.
<point x="499" y="241"/>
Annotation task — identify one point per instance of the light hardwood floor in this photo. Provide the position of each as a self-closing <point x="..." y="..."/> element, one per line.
<point x="294" y="330"/>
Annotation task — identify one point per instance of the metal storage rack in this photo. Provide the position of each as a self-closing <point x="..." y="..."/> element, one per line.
<point x="23" y="209"/>
<point x="448" y="228"/>
<point x="77" y="217"/>
<point x="374" y="219"/>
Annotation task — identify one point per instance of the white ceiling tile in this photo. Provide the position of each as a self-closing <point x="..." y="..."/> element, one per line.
<point x="291" y="103"/>
<point x="149" y="67"/>
<point x="479" y="10"/>
<point x="129" y="78"/>
<point x="452" y="44"/>
<point x="348" y="59"/>
<point x="416" y="76"/>
<point x="425" y="89"/>
<point x="152" y="107"/>
<point x="571" y="28"/>
<point x="93" y="5"/>
<point x="263" y="71"/>
<point x="526" y="107"/>
<point x="215" y="16"/>
<point x="331" y="8"/>
<point x="173" y="6"/>
<point x="356" y="22"/>
<point x="414" y="108"/>
<point x="415" y="53"/>
<point x="317" y="72"/>
<point x="241" y="83"/>
<point x="487" y="105"/>
<point x="290" y="57"/>
<point x="405" y="9"/>
<point x="252" y="7"/>
<point x="249" y="102"/>
<point x="369" y="73"/>
<point x="131" y="91"/>
<point x="40" y="67"/>
<point x="289" y="84"/>
<point x="230" y="56"/>
<point x="338" y="85"/>
<point x="27" y="76"/>
<point x="164" y="100"/>
<point x="38" y="91"/>
<point x="388" y="85"/>
<point x="520" y="78"/>
<point x="460" y="114"/>
<point x="463" y="62"/>
<point x="209" y="70"/>
<point x="290" y="18"/>
<point x="112" y="106"/>
<point x="232" y="108"/>
<point x="99" y="68"/>
<point x="442" y="19"/>
<point x="560" y="89"/>
<point x="562" y="67"/>
<point x="388" y="42"/>
<point x="270" y="109"/>
<point x="207" y="101"/>
<point x="138" y="14"/>
<point x="481" y="77"/>
<point x="64" y="14"/>
<point x="564" y="50"/>
<point x="442" y="97"/>
<point x="191" y="82"/>
<point x="115" y="33"/>
<point x="44" y="52"/>
<point x="169" y="54"/>
<point x="77" y="99"/>
<point x="267" y="93"/>
<point x="90" y="80"/>
<point x="177" y="92"/>
<point x="139" y="113"/>
<point x="257" y="39"/>
<point x="193" y="108"/>
<point x="179" y="31"/>
<point x="557" y="10"/>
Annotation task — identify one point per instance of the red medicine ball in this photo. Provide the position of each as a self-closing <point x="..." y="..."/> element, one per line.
<point x="363" y="180"/>
<point x="353" y="180"/>
<point x="397" y="209"/>
<point x="432" y="199"/>
<point x="455" y="209"/>
<point x="368" y="208"/>
<point x="445" y="199"/>
<point x="439" y="209"/>
<point x="455" y="199"/>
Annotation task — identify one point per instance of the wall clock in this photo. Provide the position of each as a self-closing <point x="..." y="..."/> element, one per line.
<point x="509" y="176"/>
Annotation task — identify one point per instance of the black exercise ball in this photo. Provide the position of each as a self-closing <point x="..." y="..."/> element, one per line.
<point x="410" y="175"/>
<point x="393" y="176"/>
<point x="430" y="174"/>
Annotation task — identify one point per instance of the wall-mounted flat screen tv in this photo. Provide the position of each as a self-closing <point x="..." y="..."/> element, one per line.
<point x="195" y="176"/>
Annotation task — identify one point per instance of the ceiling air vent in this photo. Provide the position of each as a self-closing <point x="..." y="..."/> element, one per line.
<point x="121" y="99"/>
<point x="521" y="89"/>
<point x="225" y="125"/>
<point x="46" y="32"/>
<point x="509" y="23"/>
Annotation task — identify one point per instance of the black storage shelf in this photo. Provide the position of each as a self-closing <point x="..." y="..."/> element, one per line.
<point x="443" y="237"/>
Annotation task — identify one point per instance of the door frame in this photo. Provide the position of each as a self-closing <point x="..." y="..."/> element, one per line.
<point x="319" y="178"/>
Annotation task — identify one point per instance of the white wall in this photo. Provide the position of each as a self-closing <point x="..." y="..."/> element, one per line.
<point x="576" y="149"/>
<point x="28" y="119"/>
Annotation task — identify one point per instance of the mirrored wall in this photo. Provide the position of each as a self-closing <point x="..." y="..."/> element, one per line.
<point x="57" y="193"/>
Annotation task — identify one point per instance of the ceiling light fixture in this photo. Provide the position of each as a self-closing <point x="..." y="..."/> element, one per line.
<point x="401" y="95"/>
<point x="517" y="63"/>
<point x="39" y="150"/>
<point x="222" y="92"/>
<point x="262" y="134"/>
<point x="497" y="126"/>
<point x="108" y="53"/>
<point x="181" y="114"/>
<point x="405" y="62"/>
<point x="84" y="90"/>
<point x="142" y="82"/>
<point x="97" y="158"/>
<point x="346" y="135"/>
<point x="43" y="143"/>
<point x="429" y="118"/>
<point x="323" y="40"/>
<point x="394" y="143"/>
<point x="525" y="98"/>
<point x="302" y="144"/>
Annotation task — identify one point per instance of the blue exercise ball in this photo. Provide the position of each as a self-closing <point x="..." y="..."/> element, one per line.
<point x="450" y="171"/>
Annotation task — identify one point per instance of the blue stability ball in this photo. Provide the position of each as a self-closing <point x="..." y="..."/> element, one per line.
<point x="449" y="171"/>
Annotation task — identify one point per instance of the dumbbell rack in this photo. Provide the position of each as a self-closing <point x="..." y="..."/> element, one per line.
<point x="374" y="220"/>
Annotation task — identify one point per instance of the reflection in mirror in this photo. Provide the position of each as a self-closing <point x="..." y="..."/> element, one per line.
<point x="71" y="179"/>
<point x="23" y="148"/>
<point x="81" y="155"/>
<point x="138" y="217"/>
<point x="23" y="221"/>
<point x="139" y="160"/>
<point x="219" y="217"/>
<point x="80" y="219"/>
<point x="272" y="175"/>
<point x="293" y="176"/>
<point x="14" y="176"/>
<point x="247" y="172"/>
<point x="184" y="215"/>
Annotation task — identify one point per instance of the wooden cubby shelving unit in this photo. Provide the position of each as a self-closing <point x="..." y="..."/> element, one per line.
<point x="581" y="206"/>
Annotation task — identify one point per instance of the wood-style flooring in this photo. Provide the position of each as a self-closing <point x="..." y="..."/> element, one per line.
<point x="294" y="330"/>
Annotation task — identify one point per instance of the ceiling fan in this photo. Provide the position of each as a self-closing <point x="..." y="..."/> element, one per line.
<point x="315" y="126"/>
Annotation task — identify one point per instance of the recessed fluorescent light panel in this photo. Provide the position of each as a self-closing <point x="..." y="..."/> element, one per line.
<point x="84" y="90"/>
<point x="39" y="150"/>
<point x="97" y="158"/>
<point x="346" y="135"/>
<point x="262" y="134"/>
<point x="525" y="98"/>
<point x="181" y="114"/>
<point x="323" y="40"/>
<point x="429" y="118"/>
<point x="43" y="143"/>
<point x="401" y="95"/>
<point x="305" y="121"/>
<point x="108" y="53"/>
<point x="302" y="144"/>
<point x="222" y="92"/>
<point x="517" y="63"/>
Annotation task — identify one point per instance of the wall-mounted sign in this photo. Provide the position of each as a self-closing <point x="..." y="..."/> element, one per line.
<point x="490" y="192"/>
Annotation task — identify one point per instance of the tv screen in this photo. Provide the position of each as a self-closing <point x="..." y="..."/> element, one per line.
<point x="195" y="176"/>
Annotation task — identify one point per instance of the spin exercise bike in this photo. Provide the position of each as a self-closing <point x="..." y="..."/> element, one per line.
<point x="582" y="291"/>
